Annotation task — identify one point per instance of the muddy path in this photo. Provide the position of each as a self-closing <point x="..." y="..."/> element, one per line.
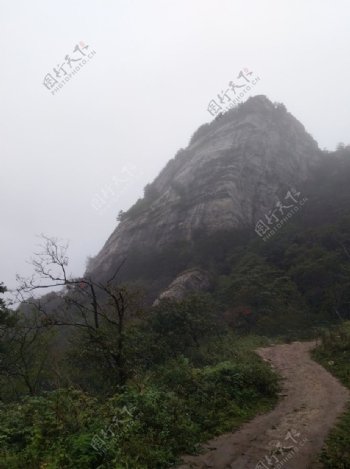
<point x="292" y="434"/>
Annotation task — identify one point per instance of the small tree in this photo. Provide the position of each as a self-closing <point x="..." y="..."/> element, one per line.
<point x="97" y="308"/>
<point x="121" y="215"/>
<point x="179" y="325"/>
<point x="24" y="351"/>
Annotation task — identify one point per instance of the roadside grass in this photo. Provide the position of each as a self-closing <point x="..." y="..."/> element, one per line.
<point x="167" y="412"/>
<point x="334" y="354"/>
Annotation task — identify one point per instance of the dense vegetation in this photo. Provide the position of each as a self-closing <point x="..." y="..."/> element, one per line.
<point x="93" y="376"/>
<point x="334" y="354"/>
<point x="301" y="275"/>
<point x="186" y="380"/>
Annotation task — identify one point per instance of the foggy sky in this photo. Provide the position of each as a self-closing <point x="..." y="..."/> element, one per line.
<point x="116" y="123"/>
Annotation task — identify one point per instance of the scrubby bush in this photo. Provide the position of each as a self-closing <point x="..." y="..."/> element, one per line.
<point x="334" y="354"/>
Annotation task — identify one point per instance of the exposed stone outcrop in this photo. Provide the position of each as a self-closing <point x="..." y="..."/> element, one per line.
<point x="190" y="281"/>
<point x="231" y="173"/>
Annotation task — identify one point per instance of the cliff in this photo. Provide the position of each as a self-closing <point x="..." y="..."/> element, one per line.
<point x="231" y="173"/>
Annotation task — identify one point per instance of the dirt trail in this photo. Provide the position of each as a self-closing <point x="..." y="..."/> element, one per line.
<point x="293" y="433"/>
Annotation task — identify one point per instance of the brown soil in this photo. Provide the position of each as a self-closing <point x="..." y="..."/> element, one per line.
<point x="291" y="435"/>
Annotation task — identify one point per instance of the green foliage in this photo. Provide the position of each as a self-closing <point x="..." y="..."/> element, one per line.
<point x="150" y="192"/>
<point x="150" y="195"/>
<point x="24" y="353"/>
<point x="154" y="387"/>
<point x="178" y="326"/>
<point x="187" y="379"/>
<point x="200" y="132"/>
<point x="146" y="425"/>
<point x="297" y="280"/>
<point x="261" y="297"/>
<point x="25" y="358"/>
<point x="334" y="351"/>
<point x="51" y="431"/>
<point x="137" y="209"/>
<point x="334" y="354"/>
<point x="121" y="215"/>
<point x="7" y="319"/>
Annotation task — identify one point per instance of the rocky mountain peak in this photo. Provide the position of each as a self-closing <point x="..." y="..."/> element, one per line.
<point x="232" y="172"/>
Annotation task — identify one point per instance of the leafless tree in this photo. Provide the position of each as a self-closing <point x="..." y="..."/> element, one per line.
<point x="98" y="308"/>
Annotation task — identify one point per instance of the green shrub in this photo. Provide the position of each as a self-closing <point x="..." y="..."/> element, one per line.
<point x="148" y="424"/>
<point x="334" y="354"/>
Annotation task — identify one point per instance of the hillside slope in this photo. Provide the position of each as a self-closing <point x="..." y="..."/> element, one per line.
<point x="232" y="172"/>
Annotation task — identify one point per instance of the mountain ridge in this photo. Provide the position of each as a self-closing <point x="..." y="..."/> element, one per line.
<point x="231" y="173"/>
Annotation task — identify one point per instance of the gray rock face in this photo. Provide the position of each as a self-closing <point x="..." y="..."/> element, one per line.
<point x="190" y="281"/>
<point x="231" y="173"/>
